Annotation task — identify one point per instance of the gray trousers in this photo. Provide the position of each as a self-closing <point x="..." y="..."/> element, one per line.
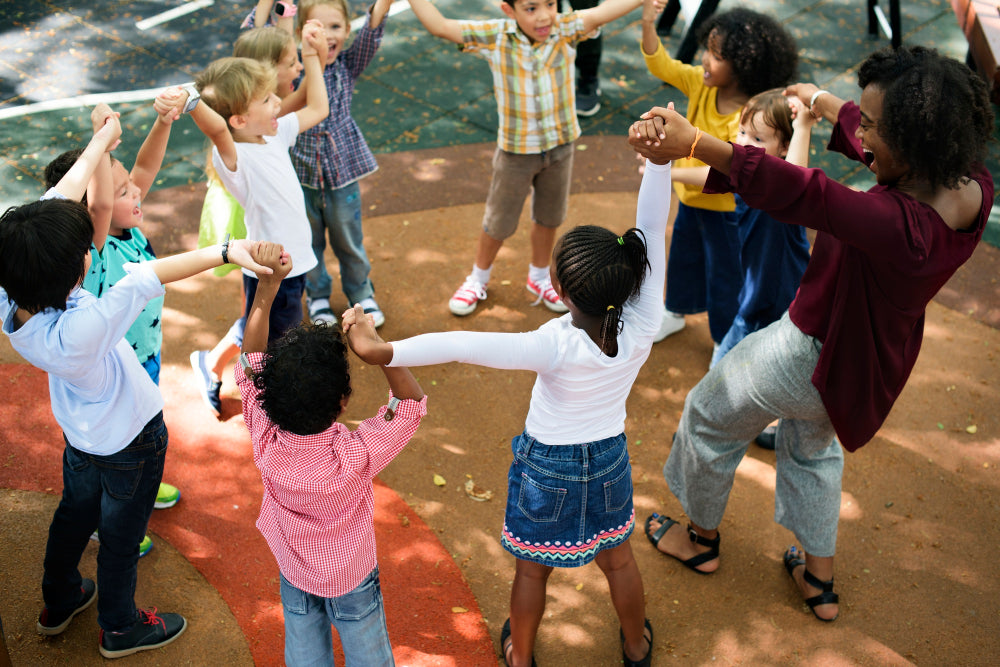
<point x="766" y="376"/>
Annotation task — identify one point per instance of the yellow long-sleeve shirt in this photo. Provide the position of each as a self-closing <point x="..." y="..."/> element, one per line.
<point x="702" y="111"/>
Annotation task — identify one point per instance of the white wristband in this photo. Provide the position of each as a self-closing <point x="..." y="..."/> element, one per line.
<point x="812" y="100"/>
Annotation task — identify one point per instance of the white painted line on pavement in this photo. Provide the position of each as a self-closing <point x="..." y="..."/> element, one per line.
<point x="172" y="14"/>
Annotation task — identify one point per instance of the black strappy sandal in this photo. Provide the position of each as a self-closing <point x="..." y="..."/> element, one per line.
<point x="827" y="596"/>
<point x="695" y="561"/>
<point x="504" y="636"/>
<point x="647" y="659"/>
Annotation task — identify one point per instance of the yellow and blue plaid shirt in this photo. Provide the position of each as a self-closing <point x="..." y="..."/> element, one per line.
<point x="533" y="83"/>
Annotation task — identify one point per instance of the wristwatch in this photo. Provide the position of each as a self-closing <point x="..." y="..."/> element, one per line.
<point x="193" y="97"/>
<point x="285" y="9"/>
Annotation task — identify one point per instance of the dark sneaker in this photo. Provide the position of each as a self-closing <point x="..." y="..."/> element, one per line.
<point x="588" y="100"/>
<point x="51" y="623"/>
<point x="151" y="631"/>
<point x="208" y="387"/>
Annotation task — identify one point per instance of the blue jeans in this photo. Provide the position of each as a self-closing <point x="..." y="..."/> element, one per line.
<point x="114" y="494"/>
<point x="358" y="616"/>
<point x="337" y="213"/>
<point x="286" y="310"/>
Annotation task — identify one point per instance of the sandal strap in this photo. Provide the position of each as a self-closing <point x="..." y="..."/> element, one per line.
<point x="704" y="541"/>
<point x="826" y="597"/>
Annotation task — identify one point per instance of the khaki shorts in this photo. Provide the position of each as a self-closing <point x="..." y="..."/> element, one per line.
<point x="545" y="175"/>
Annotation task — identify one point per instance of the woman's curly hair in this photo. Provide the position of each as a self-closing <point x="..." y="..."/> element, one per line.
<point x="304" y="379"/>
<point x="936" y="113"/>
<point x="761" y="52"/>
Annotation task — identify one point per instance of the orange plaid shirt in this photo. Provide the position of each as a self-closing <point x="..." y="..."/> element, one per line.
<point x="533" y="83"/>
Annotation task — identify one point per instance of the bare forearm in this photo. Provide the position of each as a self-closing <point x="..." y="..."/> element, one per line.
<point x="186" y="264"/>
<point x="73" y="185"/>
<point x="798" y="147"/>
<point x="435" y="22"/>
<point x="150" y="156"/>
<point x="257" y="327"/>
<point x="403" y="384"/>
<point x="100" y="200"/>
<point x="607" y="11"/>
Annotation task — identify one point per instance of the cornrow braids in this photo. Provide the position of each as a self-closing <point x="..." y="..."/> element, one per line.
<point x="600" y="271"/>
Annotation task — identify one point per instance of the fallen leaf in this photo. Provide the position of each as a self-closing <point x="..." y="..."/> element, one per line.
<point x="458" y="610"/>
<point x="439" y="480"/>
<point x="476" y="492"/>
<point x="971" y="428"/>
<point x="579" y="587"/>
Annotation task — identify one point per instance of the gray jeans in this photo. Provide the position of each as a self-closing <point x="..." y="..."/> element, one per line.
<point x="767" y="376"/>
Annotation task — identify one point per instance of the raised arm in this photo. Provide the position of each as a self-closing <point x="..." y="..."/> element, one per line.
<point x="107" y="131"/>
<point x="100" y="189"/>
<point x="802" y="125"/>
<point x="650" y="11"/>
<point x="150" y="156"/>
<point x="663" y="135"/>
<point x="272" y="256"/>
<point x="435" y="23"/>
<point x="317" y="103"/>
<point x="607" y="11"/>
<point x="824" y="103"/>
<point x="215" y="127"/>
<point x="379" y="11"/>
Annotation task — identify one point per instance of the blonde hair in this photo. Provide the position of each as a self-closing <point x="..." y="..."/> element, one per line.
<point x="229" y="85"/>
<point x="306" y="7"/>
<point x="777" y="115"/>
<point x="264" y="44"/>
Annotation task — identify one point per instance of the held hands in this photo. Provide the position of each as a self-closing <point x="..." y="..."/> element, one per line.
<point x="651" y="9"/>
<point x="662" y="135"/>
<point x="271" y="256"/>
<point x="240" y="254"/>
<point x="803" y="91"/>
<point x="169" y="104"/>
<point x="359" y="330"/>
<point x="314" y="40"/>
<point x="802" y="118"/>
<point x="107" y="129"/>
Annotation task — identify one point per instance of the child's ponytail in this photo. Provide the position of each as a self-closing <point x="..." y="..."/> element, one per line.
<point x="600" y="271"/>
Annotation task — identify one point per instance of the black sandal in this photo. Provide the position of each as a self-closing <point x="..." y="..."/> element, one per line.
<point x="647" y="659"/>
<point x="504" y="636"/>
<point x="693" y="562"/>
<point x="827" y="596"/>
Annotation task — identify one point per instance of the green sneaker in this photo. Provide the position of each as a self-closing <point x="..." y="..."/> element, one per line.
<point x="145" y="546"/>
<point x="166" y="496"/>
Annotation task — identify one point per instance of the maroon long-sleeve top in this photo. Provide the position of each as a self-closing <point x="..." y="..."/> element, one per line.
<point x="880" y="256"/>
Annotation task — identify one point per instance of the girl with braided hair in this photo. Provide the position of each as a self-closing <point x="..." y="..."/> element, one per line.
<point x="569" y="493"/>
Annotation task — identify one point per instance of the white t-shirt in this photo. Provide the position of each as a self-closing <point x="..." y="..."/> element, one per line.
<point x="580" y="393"/>
<point x="267" y="188"/>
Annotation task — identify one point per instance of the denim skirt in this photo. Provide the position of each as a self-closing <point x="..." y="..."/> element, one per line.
<point x="566" y="503"/>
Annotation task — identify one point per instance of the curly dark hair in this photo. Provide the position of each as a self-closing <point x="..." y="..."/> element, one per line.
<point x="762" y="53"/>
<point x="599" y="271"/>
<point x="936" y="113"/>
<point x="43" y="252"/>
<point x="304" y="379"/>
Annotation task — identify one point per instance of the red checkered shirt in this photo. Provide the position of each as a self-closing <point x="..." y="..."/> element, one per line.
<point x="316" y="514"/>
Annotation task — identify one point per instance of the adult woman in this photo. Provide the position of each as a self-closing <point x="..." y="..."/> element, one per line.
<point x="835" y="363"/>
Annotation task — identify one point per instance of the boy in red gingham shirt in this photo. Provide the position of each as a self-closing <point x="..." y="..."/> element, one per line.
<point x="316" y="514"/>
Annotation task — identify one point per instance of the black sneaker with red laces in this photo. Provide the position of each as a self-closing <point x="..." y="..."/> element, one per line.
<point x="151" y="631"/>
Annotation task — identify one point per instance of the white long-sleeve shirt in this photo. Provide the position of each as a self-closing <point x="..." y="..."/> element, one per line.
<point x="580" y="393"/>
